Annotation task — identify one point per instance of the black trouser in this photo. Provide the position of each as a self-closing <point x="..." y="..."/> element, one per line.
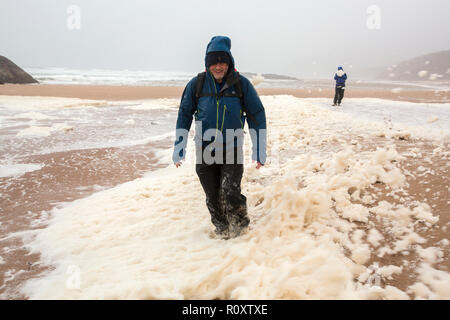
<point x="339" y="95"/>
<point x="222" y="186"/>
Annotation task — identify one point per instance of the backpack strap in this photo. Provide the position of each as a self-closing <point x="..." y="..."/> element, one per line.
<point x="199" y="86"/>
<point x="238" y="87"/>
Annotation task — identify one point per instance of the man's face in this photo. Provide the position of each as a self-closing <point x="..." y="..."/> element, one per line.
<point x="219" y="70"/>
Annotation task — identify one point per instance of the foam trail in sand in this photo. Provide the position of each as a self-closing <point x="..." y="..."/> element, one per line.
<point x="15" y="170"/>
<point x="149" y="238"/>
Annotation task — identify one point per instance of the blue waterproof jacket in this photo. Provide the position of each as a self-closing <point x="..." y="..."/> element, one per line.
<point x="216" y="114"/>
<point x="340" y="78"/>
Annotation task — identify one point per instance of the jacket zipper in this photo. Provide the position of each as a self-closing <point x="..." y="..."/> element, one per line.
<point x="217" y="110"/>
<point x="240" y="119"/>
<point x="217" y="106"/>
<point x="223" y="116"/>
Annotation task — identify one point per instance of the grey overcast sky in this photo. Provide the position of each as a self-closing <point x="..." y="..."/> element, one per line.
<point x="299" y="38"/>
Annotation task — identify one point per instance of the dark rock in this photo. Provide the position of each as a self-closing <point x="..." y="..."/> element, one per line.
<point x="12" y="73"/>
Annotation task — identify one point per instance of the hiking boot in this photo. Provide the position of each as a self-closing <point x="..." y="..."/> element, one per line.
<point x="220" y="234"/>
<point x="238" y="231"/>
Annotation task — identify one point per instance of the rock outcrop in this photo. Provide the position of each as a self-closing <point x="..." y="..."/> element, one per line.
<point x="12" y="73"/>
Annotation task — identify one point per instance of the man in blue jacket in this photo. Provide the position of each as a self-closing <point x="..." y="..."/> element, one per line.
<point x="221" y="101"/>
<point x="340" y="77"/>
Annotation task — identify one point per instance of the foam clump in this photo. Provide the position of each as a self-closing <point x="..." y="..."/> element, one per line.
<point x="44" y="131"/>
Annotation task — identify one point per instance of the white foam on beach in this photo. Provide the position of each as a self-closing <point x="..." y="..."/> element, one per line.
<point x="149" y="238"/>
<point x="399" y="116"/>
<point x="46" y="103"/>
<point x="432" y="119"/>
<point x="33" y="116"/>
<point x="18" y="169"/>
<point x="11" y="274"/>
<point x="163" y="250"/>
<point x="154" y="104"/>
<point x="130" y="122"/>
<point x="435" y="283"/>
<point x="374" y="237"/>
<point x="30" y="125"/>
<point x="44" y="131"/>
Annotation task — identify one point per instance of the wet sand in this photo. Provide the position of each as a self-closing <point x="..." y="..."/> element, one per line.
<point x="66" y="176"/>
<point x="97" y="92"/>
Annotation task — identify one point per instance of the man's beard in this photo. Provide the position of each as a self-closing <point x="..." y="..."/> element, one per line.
<point x="220" y="76"/>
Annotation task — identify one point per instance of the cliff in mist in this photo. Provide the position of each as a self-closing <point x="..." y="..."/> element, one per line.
<point x="433" y="66"/>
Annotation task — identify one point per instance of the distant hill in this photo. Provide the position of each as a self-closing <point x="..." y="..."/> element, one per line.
<point x="12" y="73"/>
<point x="433" y="66"/>
<point x="270" y="76"/>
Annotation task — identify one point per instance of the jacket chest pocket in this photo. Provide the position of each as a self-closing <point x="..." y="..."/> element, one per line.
<point x="206" y="106"/>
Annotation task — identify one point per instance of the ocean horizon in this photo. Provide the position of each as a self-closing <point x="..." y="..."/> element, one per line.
<point x="125" y="77"/>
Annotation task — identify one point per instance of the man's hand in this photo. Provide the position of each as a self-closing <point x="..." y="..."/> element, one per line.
<point x="178" y="164"/>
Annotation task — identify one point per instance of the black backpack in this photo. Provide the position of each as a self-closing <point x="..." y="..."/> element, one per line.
<point x="230" y="81"/>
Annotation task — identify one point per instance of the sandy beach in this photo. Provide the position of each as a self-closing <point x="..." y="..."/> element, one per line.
<point x="403" y="256"/>
<point x="110" y="92"/>
<point x="66" y="176"/>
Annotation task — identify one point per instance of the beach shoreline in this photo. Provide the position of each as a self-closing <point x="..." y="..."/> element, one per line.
<point x="121" y="92"/>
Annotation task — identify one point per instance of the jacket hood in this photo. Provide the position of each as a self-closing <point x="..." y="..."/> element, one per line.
<point x="220" y="43"/>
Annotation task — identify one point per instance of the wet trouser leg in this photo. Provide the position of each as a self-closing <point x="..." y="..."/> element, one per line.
<point x="235" y="203"/>
<point x="226" y="204"/>
<point x="336" y="95"/>
<point x="341" y="95"/>
<point x="210" y="179"/>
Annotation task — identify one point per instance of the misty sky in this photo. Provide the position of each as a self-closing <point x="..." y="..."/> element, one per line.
<point x="298" y="38"/>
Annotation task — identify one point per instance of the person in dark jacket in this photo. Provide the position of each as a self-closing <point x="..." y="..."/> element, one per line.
<point x="340" y="77"/>
<point x="220" y="115"/>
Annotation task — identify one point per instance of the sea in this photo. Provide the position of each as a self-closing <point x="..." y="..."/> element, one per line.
<point x="171" y="78"/>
